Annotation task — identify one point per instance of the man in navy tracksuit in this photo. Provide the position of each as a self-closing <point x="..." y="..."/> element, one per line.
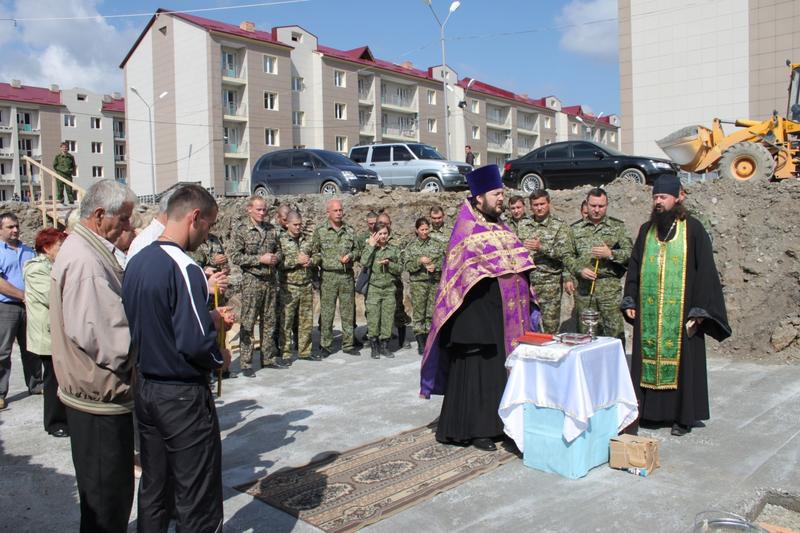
<point x="174" y="337"/>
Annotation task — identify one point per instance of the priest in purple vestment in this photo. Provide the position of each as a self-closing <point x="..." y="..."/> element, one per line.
<point x="481" y="307"/>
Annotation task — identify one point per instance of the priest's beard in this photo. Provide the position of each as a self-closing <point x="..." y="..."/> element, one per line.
<point x="663" y="220"/>
<point x="486" y="210"/>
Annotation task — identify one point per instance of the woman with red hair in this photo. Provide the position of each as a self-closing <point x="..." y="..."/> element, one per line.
<point x="36" y="273"/>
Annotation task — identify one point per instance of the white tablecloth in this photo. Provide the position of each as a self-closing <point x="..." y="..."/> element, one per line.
<point x="590" y="378"/>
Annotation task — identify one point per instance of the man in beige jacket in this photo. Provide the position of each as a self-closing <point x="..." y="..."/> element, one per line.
<point x="92" y="359"/>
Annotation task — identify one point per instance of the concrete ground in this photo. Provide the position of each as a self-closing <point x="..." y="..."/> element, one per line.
<point x="286" y="418"/>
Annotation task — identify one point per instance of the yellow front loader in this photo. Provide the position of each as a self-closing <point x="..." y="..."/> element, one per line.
<point x="759" y="150"/>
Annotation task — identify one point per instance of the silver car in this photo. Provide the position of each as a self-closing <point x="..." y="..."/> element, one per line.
<point x="414" y="165"/>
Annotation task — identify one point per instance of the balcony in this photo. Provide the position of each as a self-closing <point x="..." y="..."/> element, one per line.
<point x="27" y="129"/>
<point x="397" y="102"/>
<point x="527" y="126"/>
<point x="236" y="151"/>
<point x="6" y="127"/>
<point x="119" y="135"/>
<point x="365" y="95"/>
<point x="498" y="145"/>
<point x="233" y="76"/>
<point x="8" y="179"/>
<point x="35" y="154"/>
<point x="119" y="159"/>
<point x="398" y="132"/>
<point x="236" y="188"/>
<point x="367" y="127"/>
<point x="6" y="153"/>
<point x="234" y="112"/>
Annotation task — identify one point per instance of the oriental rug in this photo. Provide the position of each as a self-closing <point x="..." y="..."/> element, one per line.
<point x="348" y="491"/>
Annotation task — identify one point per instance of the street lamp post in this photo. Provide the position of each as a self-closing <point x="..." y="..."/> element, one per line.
<point x="150" y="129"/>
<point x="453" y="6"/>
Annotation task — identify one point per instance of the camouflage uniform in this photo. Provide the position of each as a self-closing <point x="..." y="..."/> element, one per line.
<point x="441" y="234"/>
<point x="296" y="296"/>
<point x="204" y="256"/>
<point x="423" y="283"/>
<point x="556" y="242"/>
<point x="337" y="282"/>
<point x="607" y="289"/>
<point x="259" y="287"/>
<point x="382" y="292"/>
<point x="518" y="225"/>
<point x="401" y="318"/>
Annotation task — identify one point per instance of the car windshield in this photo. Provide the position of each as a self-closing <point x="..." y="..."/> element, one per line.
<point x="336" y="160"/>
<point x="423" y="151"/>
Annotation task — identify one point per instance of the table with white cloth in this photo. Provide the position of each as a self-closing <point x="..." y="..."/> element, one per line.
<point x="569" y="392"/>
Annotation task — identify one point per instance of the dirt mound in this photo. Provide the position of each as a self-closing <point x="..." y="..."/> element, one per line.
<point x="754" y="228"/>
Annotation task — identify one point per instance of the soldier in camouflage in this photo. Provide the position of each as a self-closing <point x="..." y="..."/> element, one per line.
<point x="255" y="248"/>
<point x="334" y="250"/>
<point x="422" y="259"/>
<point x="518" y="218"/>
<point x="601" y="251"/>
<point x="361" y="241"/>
<point x="384" y="259"/>
<point x="401" y="318"/>
<point x="549" y="240"/>
<point x="211" y="255"/>
<point x="296" y="296"/>
<point x="438" y="229"/>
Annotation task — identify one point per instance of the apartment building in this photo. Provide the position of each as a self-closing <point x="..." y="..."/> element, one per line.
<point x="686" y="62"/>
<point x="35" y="120"/>
<point x="213" y="97"/>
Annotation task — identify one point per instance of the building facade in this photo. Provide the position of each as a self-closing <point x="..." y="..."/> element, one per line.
<point x="684" y="63"/>
<point x="213" y="97"/>
<point x="34" y="121"/>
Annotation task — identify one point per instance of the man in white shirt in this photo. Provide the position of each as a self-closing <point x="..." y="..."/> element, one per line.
<point x="153" y="230"/>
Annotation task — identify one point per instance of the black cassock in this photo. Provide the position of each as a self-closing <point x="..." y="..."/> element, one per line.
<point x="473" y="348"/>
<point x="703" y="299"/>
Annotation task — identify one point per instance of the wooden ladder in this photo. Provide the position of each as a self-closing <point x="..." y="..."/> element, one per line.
<point x="52" y="214"/>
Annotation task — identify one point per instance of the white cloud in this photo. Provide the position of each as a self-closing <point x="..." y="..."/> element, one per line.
<point x="71" y="53"/>
<point x="589" y="27"/>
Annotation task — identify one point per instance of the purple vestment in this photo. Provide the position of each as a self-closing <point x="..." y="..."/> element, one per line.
<point x="478" y="249"/>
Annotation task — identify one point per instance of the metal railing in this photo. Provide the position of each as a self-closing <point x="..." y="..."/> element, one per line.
<point x="393" y="99"/>
<point x="397" y="131"/>
<point x="45" y="173"/>
<point x="234" y="109"/>
<point x="235" y="148"/>
<point x="119" y="158"/>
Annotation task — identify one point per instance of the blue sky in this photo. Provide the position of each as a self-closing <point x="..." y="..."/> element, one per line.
<point x="539" y="47"/>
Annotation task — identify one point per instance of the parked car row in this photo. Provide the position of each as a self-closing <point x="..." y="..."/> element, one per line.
<point x="420" y="167"/>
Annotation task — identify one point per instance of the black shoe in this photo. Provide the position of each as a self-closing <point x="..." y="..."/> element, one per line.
<point x="420" y="344"/>
<point x="312" y="357"/>
<point x="374" y="349"/>
<point x="229" y="375"/>
<point x="385" y="351"/>
<point x="486" y="445"/>
<point x="60" y="433"/>
<point x="353" y="351"/>
<point x="279" y="363"/>
<point x="324" y="352"/>
<point x="679" y="430"/>
<point x="38" y="389"/>
<point x="357" y="343"/>
<point x="248" y="373"/>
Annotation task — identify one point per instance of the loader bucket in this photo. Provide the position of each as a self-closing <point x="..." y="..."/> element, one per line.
<point x="685" y="147"/>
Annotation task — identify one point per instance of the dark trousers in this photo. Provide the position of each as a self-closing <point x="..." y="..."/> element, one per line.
<point x="55" y="414"/>
<point x="12" y="327"/>
<point x="102" y="452"/>
<point x="179" y="442"/>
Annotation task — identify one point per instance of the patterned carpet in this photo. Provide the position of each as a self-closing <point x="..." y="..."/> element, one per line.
<point x="348" y="491"/>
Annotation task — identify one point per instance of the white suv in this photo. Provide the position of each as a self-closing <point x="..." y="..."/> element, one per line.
<point x="413" y="165"/>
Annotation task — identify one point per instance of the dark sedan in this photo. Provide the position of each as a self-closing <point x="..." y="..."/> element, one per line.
<point x="309" y="171"/>
<point x="572" y="163"/>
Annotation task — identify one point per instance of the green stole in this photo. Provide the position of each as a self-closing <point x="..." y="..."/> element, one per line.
<point x="661" y="300"/>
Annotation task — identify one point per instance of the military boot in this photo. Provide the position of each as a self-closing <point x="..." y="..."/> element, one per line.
<point x="401" y="338"/>
<point x="375" y="350"/>
<point x="385" y="351"/>
<point x="420" y="343"/>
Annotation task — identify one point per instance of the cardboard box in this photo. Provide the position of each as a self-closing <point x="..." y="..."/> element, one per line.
<point x="636" y="454"/>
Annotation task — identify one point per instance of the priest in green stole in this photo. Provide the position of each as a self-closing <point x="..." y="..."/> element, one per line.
<point x="673" y="298"/>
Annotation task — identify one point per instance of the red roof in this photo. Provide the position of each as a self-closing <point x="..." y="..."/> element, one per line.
<point x="577" y="111"/>
<point x="491" y="90"/>
<point x="33" y="95"/>
<point x="363" y="55"/>
<point x="116" y="105"/>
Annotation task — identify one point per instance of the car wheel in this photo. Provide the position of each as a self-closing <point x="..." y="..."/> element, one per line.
<point x="530" y="183"/>
<point x="430" y="184"/>
<point x="747" y="161"/>
<point x="330" y="187"/>
<point x="263" y="191"/>
<point x="632" y="175"/>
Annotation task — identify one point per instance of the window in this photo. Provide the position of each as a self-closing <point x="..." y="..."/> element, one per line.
<point x="270" y="101"/>
<point x="119" y="129"/>
<point x="401" y="153"/>
<point x="231" y="172"/>
<point x="584" y="151"/>
<point x="97" y="172"/>
<point x="297" y="37"/>
<point x="95" y="123"/>
<point x="381" y="154"/>
<point x="341" y="144"/>
<point x="283" y="160"/>
<point x="547" y="122"/>
<point x="297" y="84"/>
<point x="574" y="128"/>
<point x="119" y="174"/>
<point x="81" y="97"/>
<point x="271" y="137"/>
<point x="97" y="147"/>
<point x="69" y="121"/>
<point x="340" y="111"/>
<point x="431" y="97"/>
<point x="72" y="146"/>
<point x="302" y="160"/>
<point x="359" y="155"/>
<point x="339" y="78"/>
<point x="432" y="125"/>
<point x="475" y="106"/>
<point x="476" y="132"/>
<point x="558" y="152"/>
<point x="612" y="137"/>
<point x="298" y="118"/>
<point x="270" y="64"/>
